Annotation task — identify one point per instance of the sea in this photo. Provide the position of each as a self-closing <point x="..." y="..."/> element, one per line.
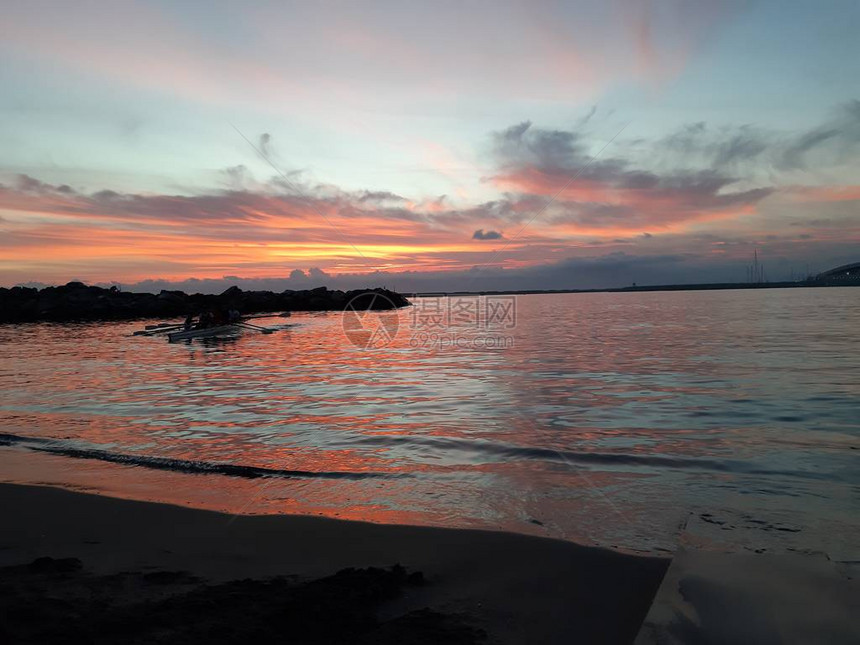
<point x="633" y="421"/>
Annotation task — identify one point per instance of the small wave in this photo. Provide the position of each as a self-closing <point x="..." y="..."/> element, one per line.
<point x="183" y="465"/>
<point x="506" y="452"/>
<point x="474" y="451"/>
<point x="11" y="439"/>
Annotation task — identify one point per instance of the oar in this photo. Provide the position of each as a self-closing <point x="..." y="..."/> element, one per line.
<point x="265" y="330"/>
<point x="286" y="314"/>
<point x="160" y="326"/>
<point x="160" y="330"/>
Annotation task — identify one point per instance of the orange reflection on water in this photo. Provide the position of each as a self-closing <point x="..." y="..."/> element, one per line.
<point x="607" y="416"/>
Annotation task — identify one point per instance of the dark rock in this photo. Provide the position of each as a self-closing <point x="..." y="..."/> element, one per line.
<point x="172" y="607"/>
<point x="415" y="578"/>
<point x="232" y="292"/>
<point x="76" y="301"/>
<point x="172" y="296"/>
<point x="170" y="577"/>
<point x="54" y="565"/>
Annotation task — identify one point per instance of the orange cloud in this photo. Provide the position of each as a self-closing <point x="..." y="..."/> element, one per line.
<point x="207" y="235"/>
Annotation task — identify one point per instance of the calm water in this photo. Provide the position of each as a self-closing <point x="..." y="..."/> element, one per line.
<point x="614" y="419"/>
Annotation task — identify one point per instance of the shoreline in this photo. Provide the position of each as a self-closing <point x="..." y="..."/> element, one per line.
<point x="512" y="587"/>
<point x="717" y="286"/>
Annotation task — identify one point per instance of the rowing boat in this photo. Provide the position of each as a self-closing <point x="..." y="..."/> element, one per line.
<point x="200" y="333"/>
<point x="177" y="331"/>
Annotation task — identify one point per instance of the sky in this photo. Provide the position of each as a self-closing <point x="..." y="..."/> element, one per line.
<point x="426" y="146"/>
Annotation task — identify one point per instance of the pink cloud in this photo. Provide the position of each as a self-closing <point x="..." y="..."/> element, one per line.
<point x="825" y="193"/>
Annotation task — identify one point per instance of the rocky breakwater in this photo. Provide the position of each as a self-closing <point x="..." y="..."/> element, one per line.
<point x="76" y="301"/>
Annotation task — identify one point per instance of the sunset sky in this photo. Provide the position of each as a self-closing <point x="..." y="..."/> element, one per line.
<point x="469" y="145"/>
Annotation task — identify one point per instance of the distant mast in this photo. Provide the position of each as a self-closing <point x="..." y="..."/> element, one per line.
<point x="755" y="271"/>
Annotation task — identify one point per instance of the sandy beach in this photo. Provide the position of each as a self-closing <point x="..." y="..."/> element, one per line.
<point x="97" y="569"/>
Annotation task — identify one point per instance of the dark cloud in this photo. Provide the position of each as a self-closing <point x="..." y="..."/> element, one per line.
<point x="716" y="147"/>
<point x="743" y="146"/>
<point x="489" y="235"/>
<point x="379" y="196"/>
<point x="212" y="207"/>
<point x="732" y="147"/>
<point x="837" y="138"/>
<point x="28" y="184"/>
<point x="265" y="144"/>
<point x="514" y="133"/>
<point x="612" y="192"/>
<point x="794" y="154"/>
<point x="236" y="175"/>
<point x="585" y="119"/>
<point x="552" y="150"/>
<point x="639" y="180"/>
<point x="687" y="138"/>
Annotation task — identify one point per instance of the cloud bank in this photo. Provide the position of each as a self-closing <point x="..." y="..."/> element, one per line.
<point x="572" y="221"/>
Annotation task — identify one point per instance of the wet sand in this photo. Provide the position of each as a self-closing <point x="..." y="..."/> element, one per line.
<point x="100" y="569"/>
